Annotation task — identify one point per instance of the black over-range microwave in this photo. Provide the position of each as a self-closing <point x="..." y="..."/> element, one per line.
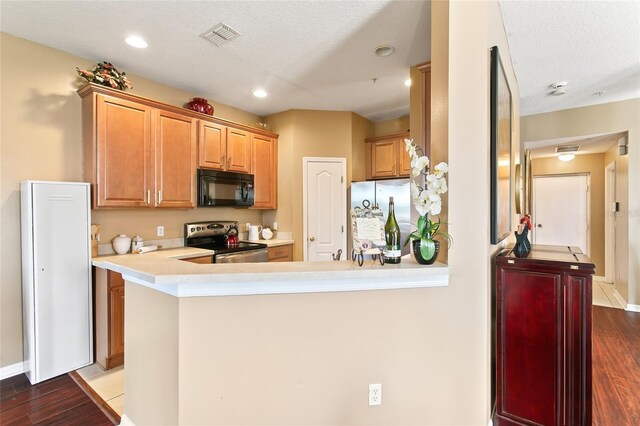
<point x="217" y="188"/>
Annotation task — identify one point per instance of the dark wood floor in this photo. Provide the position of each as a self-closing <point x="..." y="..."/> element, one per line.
<point x="616" y="383"/>
<point x="616" y="367"/>
<point x="59" y="401"/>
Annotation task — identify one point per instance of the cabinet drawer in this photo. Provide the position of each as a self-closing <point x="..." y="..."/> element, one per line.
<point x="281" y="253"/>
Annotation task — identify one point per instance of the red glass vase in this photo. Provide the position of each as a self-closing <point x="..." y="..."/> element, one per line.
<point x="200" y="105"/>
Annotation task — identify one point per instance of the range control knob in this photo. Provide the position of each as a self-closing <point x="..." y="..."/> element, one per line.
<point x="210" y="226"/>
<point x="192" y="229"/>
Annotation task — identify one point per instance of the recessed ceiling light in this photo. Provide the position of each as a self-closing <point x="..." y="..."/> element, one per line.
<point x="566" y="157"/>
<point x="384" y="50"/>
<point x="136" y="41"/>
<point x="259" y="93"/>
<point x="407" y="82"/>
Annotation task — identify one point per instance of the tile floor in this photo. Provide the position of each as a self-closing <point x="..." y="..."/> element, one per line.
<point x="108" y="384"/>
<point x="603" y="295"/>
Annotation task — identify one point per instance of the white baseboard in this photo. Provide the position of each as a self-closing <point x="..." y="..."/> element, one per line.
<point x="126" y="421"/>
<point x="597" y="278"/>
<point x="11" y="370"/>
<point x="633" y="308"/>
<point x="619" y="298"/>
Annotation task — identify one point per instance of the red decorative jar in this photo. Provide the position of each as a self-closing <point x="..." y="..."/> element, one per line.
<point x="200" y="105"/>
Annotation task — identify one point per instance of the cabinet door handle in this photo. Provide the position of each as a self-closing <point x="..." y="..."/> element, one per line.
<point x="159" y="197"/>
<point x="229" y="163"/>
<point x="148" y="196"/>
<point x="222" y="161"/>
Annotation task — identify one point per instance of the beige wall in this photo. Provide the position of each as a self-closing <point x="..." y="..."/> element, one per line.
<point x="391" y="127"/>
<point x="593" y="165"/>
<point x="41" y="139"/>
<point x="361" y="129"/>
<point x="311" y="133"/>
<point x="603" y="119"/>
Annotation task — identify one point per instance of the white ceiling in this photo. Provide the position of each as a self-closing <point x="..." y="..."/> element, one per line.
<point x="305" y="54"/>
<point x="319" y="54"/>
<point x="593" y="45"/>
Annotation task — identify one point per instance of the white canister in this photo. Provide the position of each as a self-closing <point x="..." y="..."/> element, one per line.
<point x="121" y="244"/>
<point x="136" y="243"/>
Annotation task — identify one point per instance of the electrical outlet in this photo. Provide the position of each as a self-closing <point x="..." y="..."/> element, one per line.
<point x="160" y="231"/>
<point x="375" y="394"/>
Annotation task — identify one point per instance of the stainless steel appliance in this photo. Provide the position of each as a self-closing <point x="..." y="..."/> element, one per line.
<point x="378" y="192"/>
<point x="56" y="278"/>
<point x="221" y="237"/>
<point x="217" y="188"/>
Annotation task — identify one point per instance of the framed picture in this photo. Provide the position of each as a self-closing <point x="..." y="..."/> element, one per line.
<point x="501" y="116"/>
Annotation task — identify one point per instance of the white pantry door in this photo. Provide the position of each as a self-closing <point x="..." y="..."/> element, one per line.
<point x="325" y="201"/>
<point x="560" y="206"/>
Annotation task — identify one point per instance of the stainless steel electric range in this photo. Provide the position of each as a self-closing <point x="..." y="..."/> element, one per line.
<point x="222" y="238"/>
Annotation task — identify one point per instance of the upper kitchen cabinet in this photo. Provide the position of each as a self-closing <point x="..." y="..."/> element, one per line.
<point x="143" y="153"/>
<point x="175" y="159"/>
<point x="212" y="145"/>
<point x="223" y="148"/>
<point x="265" y="170"/>
<point x="386" y="157"/>
<point x="137" y="154"/>
<point x="238" y="151"/>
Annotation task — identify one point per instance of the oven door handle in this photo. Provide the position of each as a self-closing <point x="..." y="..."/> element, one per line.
<point x="247" y="256"/>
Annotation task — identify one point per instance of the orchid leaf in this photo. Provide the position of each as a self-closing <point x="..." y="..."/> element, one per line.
<point x="427" y="248"/>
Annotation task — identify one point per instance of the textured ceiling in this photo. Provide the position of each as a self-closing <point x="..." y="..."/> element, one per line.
<point x="318" y="54"/>
<point x="593" y="45"/>
<point x="305" y="54"/>
<point x="589" y="144"/>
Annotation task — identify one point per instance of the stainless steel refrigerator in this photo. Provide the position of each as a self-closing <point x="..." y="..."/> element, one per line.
<point x="378" y="192"/>
<point x="56" y="278"/>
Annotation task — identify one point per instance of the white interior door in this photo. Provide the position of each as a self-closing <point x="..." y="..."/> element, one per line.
<point x="560" y="211"/>
<point x="610" y="222"/>
<point x="325" y="201"/>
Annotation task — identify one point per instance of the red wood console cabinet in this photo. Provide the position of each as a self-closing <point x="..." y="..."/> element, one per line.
<point x="543" y="337"/>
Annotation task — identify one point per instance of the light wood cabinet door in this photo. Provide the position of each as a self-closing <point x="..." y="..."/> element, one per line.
<point x="124" y="175"/>
<point x="238" y="151"/>
<point x="175" y="155"/>
<point x="281" y="253"/>
<point x="116" y="295"/>
<point x="265" y="171"/>
<point x="212" y="145"/>
<point x="404" y="160"/>
<point x="383" y="159"/>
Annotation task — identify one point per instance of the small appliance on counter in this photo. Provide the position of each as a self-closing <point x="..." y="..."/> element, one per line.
<point x="136" y="243"/>
<point x="222" y="238"/>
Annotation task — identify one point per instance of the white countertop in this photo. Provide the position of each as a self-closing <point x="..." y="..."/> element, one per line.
<point x="164" y="271"/>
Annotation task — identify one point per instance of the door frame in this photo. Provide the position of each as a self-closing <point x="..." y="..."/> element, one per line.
<point x="343" y="189"/>
<point x="556" y="175"/>
<point x="610" y="223"/>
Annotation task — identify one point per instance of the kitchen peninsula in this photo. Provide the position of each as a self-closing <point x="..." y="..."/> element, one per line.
<point x="205" y="340"/>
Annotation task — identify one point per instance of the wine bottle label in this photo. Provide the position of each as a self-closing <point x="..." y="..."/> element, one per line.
<point x="393" y="253"/>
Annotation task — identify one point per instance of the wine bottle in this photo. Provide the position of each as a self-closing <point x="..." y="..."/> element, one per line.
<point x="392" y="236"/>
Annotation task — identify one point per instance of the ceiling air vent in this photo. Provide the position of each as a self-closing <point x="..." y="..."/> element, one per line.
<point x="568" y="148"/>
<point x="219" y="34"/>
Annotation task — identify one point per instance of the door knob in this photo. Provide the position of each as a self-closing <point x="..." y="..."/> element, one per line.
<point x="312" y="238"/>
<point x="539" y="225"/>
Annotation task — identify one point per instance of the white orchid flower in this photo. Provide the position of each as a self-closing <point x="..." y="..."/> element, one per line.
<point x="436" y="207"/>
<point x="409" y="144"/>
<point x="418" y="165"/>
<point x="440" y="169"/>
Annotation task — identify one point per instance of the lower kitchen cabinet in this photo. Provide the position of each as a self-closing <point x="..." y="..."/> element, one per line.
<point x="543" y="337"/>
<point x="109" y="318"/>
<point x="281" y="253"/>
